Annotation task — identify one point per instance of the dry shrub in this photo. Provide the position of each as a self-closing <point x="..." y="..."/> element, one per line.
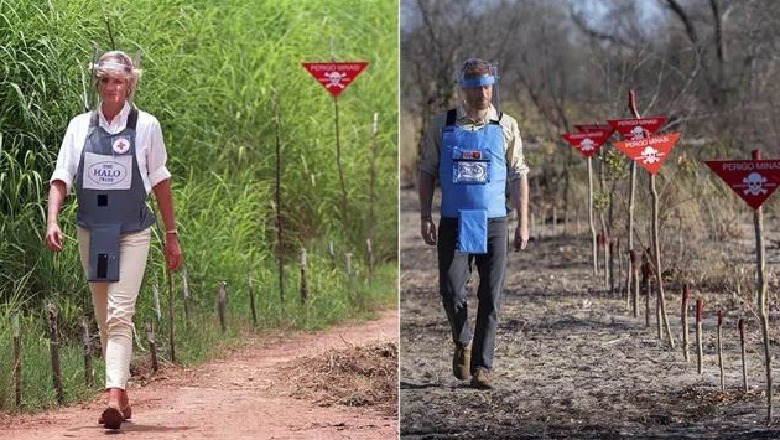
<point x="359" y="376"/>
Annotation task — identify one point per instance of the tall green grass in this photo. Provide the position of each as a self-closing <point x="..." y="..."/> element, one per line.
<point x="210" y="72"/>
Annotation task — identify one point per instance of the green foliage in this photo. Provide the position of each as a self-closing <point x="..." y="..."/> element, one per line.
<point x="212" y="75"/>
<point x="615" y="164"/>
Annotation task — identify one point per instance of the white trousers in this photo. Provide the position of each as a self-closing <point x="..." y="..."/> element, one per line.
<point x="114" y="303"/>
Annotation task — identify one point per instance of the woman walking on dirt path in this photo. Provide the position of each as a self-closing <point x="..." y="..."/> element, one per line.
<point x="117" y="156"/>
<point x="474" y="150"/>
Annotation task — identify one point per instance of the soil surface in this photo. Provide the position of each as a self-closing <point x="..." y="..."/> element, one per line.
<point x="272" y="388"/>
<point x="571" y="360"/>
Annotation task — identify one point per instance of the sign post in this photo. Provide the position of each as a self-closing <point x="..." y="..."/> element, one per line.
<point x="588" y="143"/>
<point x="335" y="77"/>
<point x="650" y="152"/>
<point x="634" y="129"/>
<point x="754" y="181"/>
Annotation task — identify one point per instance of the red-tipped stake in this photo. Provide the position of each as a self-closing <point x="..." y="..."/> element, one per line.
<point x="646" y="286"/>
<point x="699" y="348"/>
<point x="634" y="281"/>
<point x="744" y="360"/>
<point x="611" y="267"/>
<point x="684" y="318"/>
<point x="720" y="349"/>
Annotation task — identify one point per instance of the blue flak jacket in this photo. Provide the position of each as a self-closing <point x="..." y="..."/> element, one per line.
<point x="472" y="171"/>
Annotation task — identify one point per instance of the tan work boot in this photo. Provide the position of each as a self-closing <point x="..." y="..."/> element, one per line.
<point x="481" y="379"/>
<point x="461" y="359"/>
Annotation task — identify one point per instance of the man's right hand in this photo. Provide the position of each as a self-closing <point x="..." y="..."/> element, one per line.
<point x="428" y="230"/>
<point x="54" y="237"/>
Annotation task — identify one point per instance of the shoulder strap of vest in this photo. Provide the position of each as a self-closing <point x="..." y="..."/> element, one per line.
<point x="497" y="121"/>
<point x="452" y="115"/>
<point x="93" y="119"/>
<point x="132" y="118"/>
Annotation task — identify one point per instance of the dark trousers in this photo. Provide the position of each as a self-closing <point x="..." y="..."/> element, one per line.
<point x="454" y="271"/>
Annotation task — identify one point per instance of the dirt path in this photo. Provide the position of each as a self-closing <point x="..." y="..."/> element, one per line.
<point x="570" y="361"/>
<point x="244" y="395"/>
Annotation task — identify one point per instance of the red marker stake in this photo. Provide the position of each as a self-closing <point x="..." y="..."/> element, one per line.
<point x="646" y="285"/>
<point x="744" y="360"/>
<point x="699" y="347"/>
<point x="720" y="349"/>
<point x="635" y="281"/>
<point x="684" y="318"/>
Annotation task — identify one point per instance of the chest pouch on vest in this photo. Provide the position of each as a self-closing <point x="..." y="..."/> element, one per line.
<point x="473" y="231"/>
<point x="470" y="167"/>
<point x="104" y="253"/>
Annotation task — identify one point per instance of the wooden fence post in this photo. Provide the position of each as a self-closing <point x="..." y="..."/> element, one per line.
<point x="17" y="359"/>
<point x="370" y="256"/>
<point x="171" y="318"/>
<point x="156" y="300"/>
<point x="89" y="376"/>
<point x="152" y="344"/>
<point x="250" y="279"/>
<point x="304" y="290"/>
<point x="55" y="353"/>
<point x="221" y="300"/>
<point x="185" y="287"/>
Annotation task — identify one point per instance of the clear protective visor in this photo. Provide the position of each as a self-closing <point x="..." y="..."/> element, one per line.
<point x="116" y="64"/>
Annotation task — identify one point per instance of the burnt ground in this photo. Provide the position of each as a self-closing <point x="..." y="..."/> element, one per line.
<point x="571" y="361"/>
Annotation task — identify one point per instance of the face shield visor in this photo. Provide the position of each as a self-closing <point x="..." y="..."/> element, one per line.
<point x="478" y="85"/>
<point x="117" y="64"/>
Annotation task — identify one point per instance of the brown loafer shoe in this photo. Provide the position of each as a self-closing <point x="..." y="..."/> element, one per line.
<point x="481" y="379"/>
<point x="461" y="358"/>
<point x="127" y="413"/>
<point x="112" y="418"/>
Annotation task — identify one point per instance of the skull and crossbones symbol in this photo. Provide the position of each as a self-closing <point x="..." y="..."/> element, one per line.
<point x="335" y="79"/>
<point x="587" y="145"/>
<point x="651" y="155"/>
<point x="755" y="184"/>
<point x="637" y="133"/>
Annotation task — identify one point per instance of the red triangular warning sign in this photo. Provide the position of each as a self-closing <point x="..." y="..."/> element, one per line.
<point x="753" y="180"/>
<point x="335" y="77"/>
<point x="633" y="129"/>
<point x="587" y="143"/>
<point x="650" y="153"/>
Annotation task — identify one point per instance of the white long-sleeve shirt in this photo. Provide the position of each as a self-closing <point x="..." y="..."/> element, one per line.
<point x="149" y="146"/>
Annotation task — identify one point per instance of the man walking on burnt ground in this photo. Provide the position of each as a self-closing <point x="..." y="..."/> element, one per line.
<point x="474" y="150"/>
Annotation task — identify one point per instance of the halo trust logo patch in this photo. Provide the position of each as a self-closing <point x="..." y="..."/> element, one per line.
<point x="121" y="145"/>
<point x="107" y="173"/>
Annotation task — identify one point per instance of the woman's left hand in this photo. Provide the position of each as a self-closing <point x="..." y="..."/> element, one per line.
<point x="172" y="252"/>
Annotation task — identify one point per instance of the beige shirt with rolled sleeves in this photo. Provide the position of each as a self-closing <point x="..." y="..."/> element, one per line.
<point x="513" y="145"/>
<point x="149" y="147"/>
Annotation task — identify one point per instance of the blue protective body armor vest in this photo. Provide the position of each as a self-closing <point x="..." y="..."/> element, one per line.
<point x="111" y="195"/>
<point x="472" y="172"/>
